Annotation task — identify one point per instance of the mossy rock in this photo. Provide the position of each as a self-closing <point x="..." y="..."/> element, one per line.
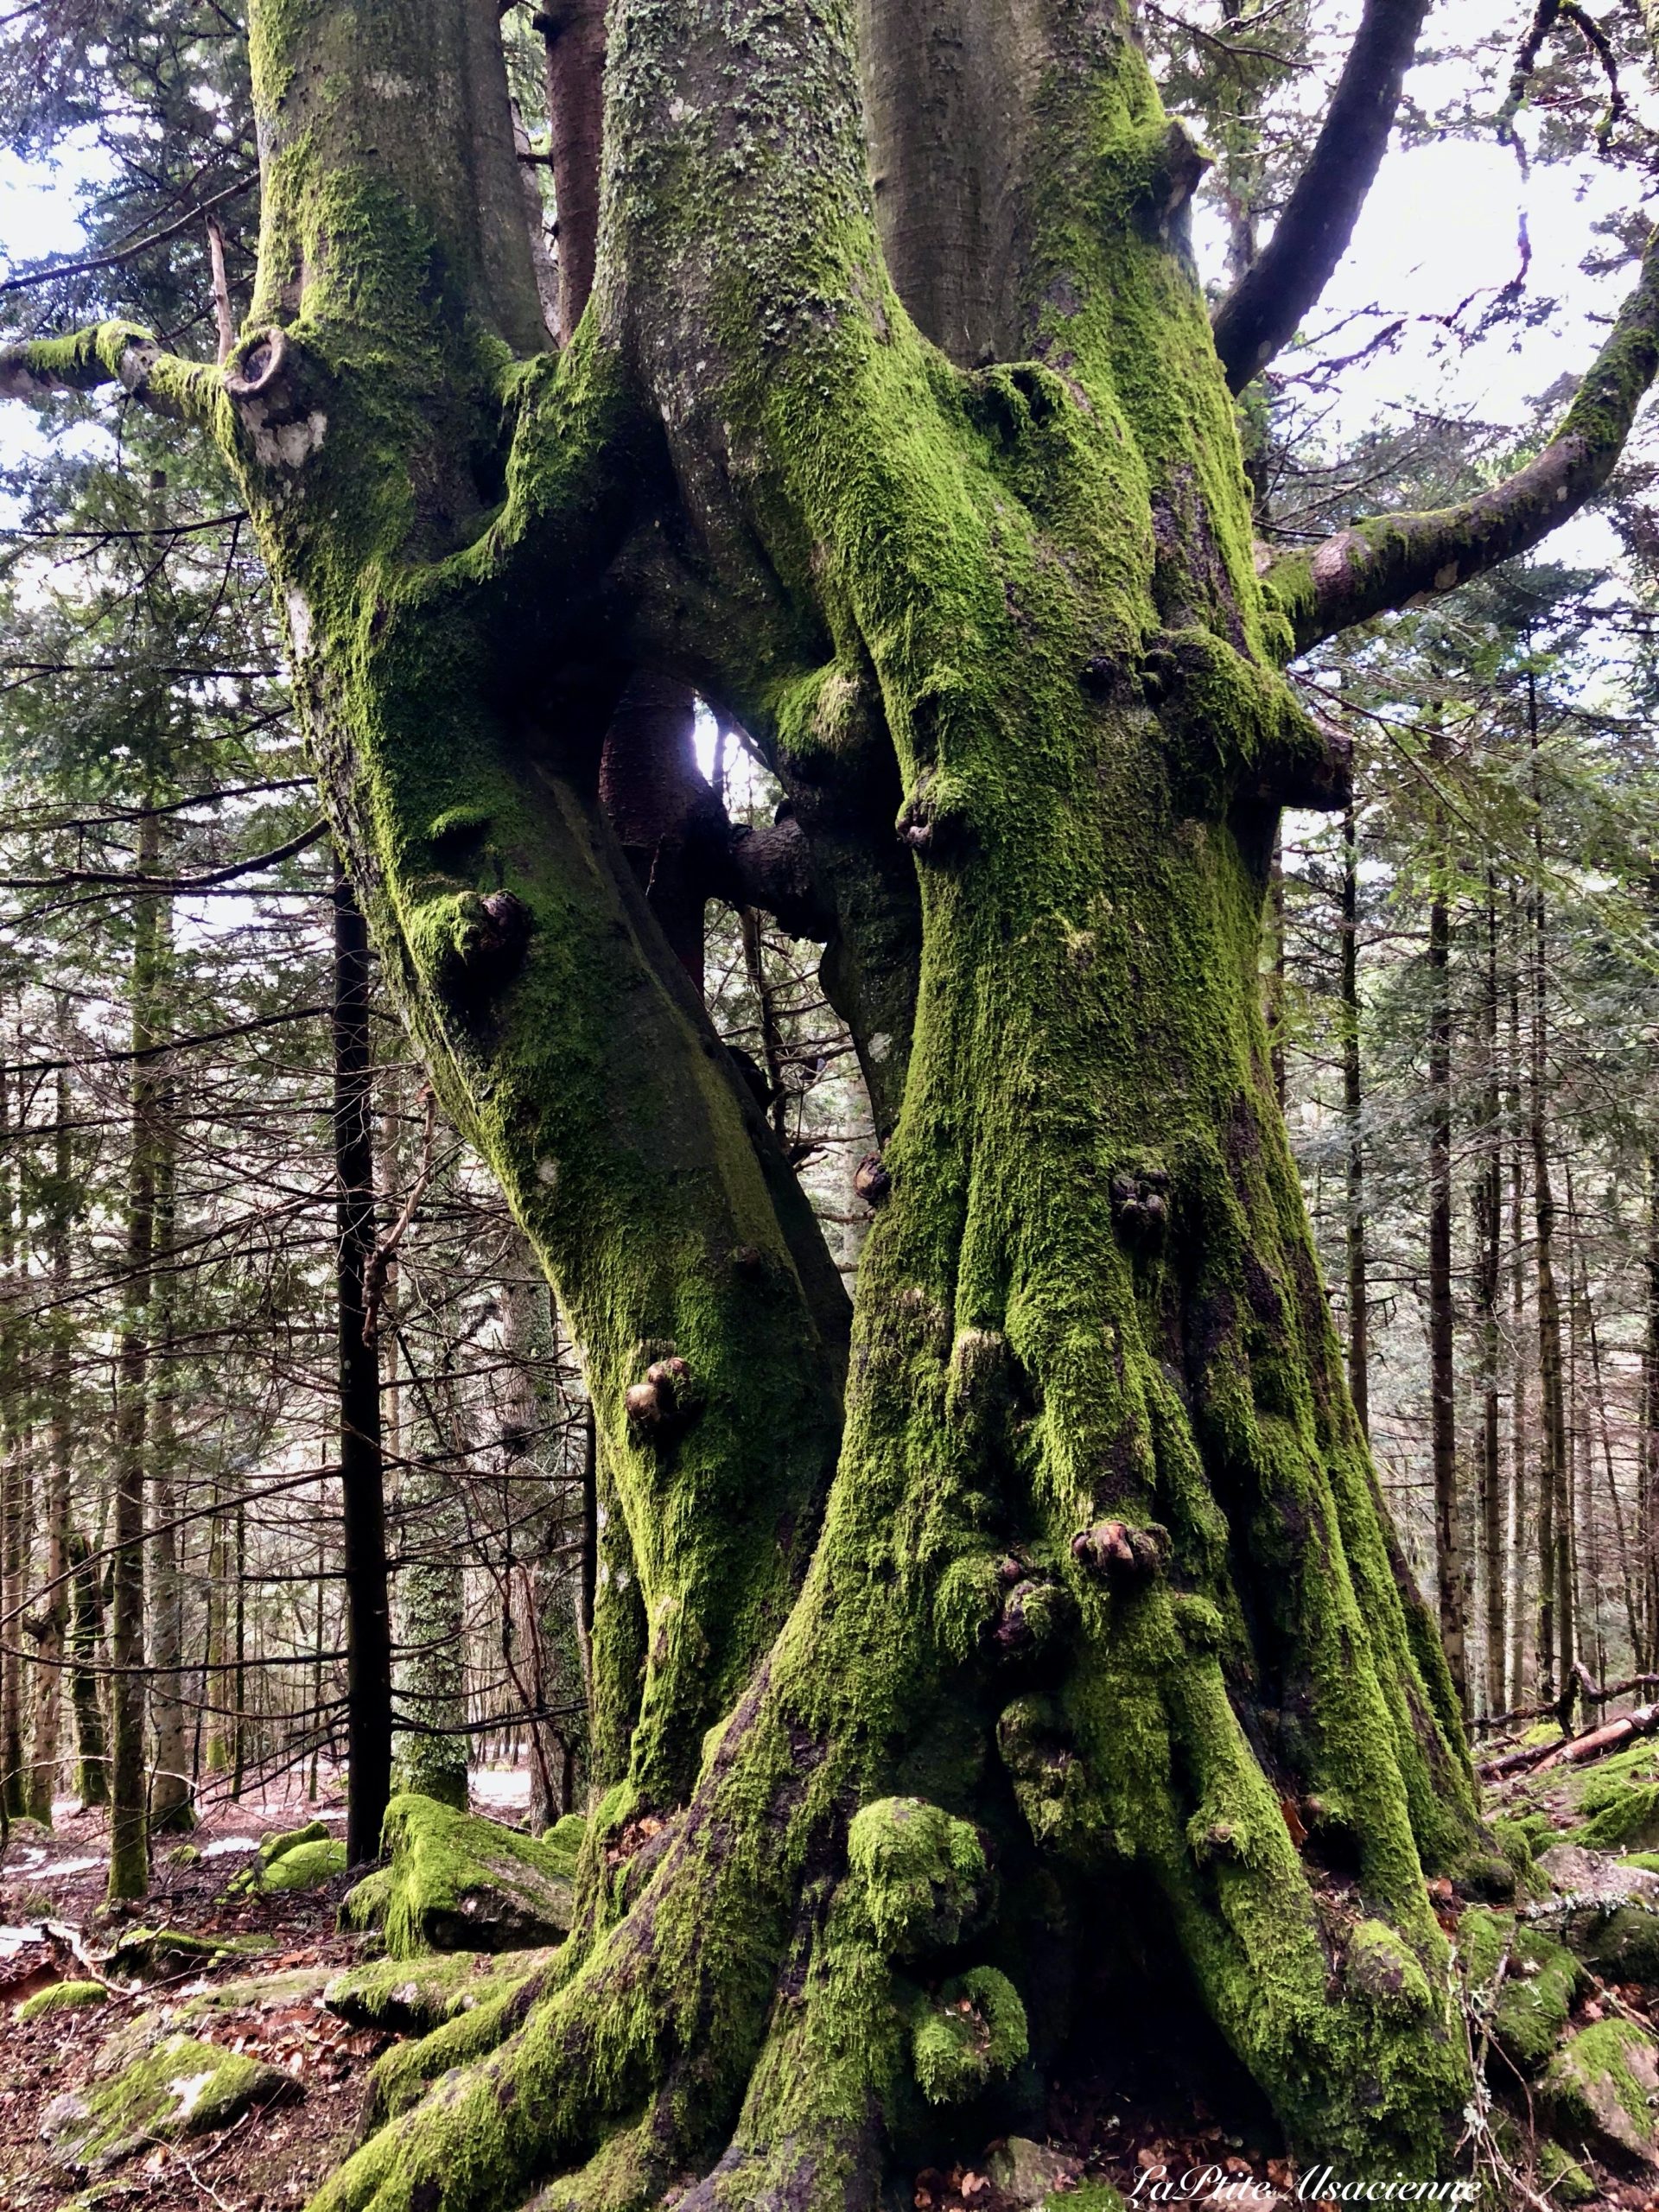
<point x="970" y="2034"/>
<point x="301" y="1859"/>
<point x="1597" y="2087"/>
<point x="461" y="1883"/>
<point x="63" y="1997"/>
<point x="152" y="1952"/>
<point x="1622" y="1944"/>
<point x="414" y="1996"/>
<point x="298" y="1985"/>
<point x="1562" y="2179"/>
<point x="1514" y="1839"/>
<point x="1090" y="2196"/>
<point x="364" y="1905"/>
<point x="1618" y="1814"/>
<point x="180" y="2088"/>
<point x="1034" y="2173"/>
<point x="184" y="1854"/>
<point x="564" y="1839"/>
<point x="1535" y="2000"/>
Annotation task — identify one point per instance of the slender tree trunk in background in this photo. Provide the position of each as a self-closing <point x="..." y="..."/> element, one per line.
<point x="430" y="1752"/>
<point x="1448" y="1533"/>
<point x="1488" y="1276"/>
<point x="170" y="1784"/>
<point x="1275" y="986"/>
<point x="754" y="962"/>
<point x="14" y="1777"/>
<point x="547" y="1504"/>
<point x="128" y="1704"/>
<point x="217" y="1692"/>
<point x="1650" y="1426"/>
<point x="1514" y="1123"/>
<point x="53" y="1631"/>
<point x="1353" y="1103"/>
<point x="1556" y="1638"/>
<point x="1627" y="1569"/>
<point x="362" y="1471"/>
<point x="86" y="1694"/>
<point x="238" y="1681"/>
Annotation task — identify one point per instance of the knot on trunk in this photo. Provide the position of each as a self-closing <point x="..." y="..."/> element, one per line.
<point x="276" y="398"/>
<point x="936" y="821"/>
<point x="871" y="1181"/>
<point x="1237" y="730"/>
<point x="1050" y="1785"/>
<point x="1140" y="1204"/>
<point x="667" y="1400"/>
<point x="476" y="942"/>
<point x="1037" y="1615"/>
<point x="1123" y="1555"/>
<point x="921" y="1875"/>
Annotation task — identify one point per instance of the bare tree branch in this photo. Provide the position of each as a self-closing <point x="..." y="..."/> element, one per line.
<point x="1392" y="560"/>
<point x="111" y="352"/>
<point x="1287" y="278"/>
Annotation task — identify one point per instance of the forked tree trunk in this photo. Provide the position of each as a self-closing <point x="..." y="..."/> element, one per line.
<point x="929" y="1695"/>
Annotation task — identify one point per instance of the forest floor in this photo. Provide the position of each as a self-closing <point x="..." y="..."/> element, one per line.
<point x="1135" y="2126"/>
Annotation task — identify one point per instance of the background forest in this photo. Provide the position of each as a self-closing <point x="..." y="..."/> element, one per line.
<point x="232" y="1220"/>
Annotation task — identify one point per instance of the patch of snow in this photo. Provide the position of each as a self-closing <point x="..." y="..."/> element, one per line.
<point x="228" y="1843"/>
<point x="69" y="1866"/>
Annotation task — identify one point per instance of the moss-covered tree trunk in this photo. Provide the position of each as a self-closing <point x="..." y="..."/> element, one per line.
<point x="1072" y="1629"/>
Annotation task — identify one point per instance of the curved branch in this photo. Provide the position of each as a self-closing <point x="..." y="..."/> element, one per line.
<point x="111" y="352"/>
<point x="1392" y="560"/>
<point x="1287" y="278"/>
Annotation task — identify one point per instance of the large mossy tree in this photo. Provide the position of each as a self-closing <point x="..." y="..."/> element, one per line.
<point x="1039" y="1622"/>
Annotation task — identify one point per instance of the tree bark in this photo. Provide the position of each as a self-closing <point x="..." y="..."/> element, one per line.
<point x="1556" y="1634"/>
<point x="14" y="1477"/>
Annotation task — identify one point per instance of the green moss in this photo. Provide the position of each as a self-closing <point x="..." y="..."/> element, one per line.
<point x="62" y="1997"/>
<point x="1598" y="2087"/>
<point x="179" y="2087"/>
<point x="412" y="1997"/>
<point x="970" y="2034"/>
<point x="1530" y="2007"/>
<point x="1514" y="1839"/>
<point x="299" y="1858"/>
<point x="1617" y="1812"/>
<point x="459" y="1883"/>
<point x="922" y="1874"/>
<point x="364" y="1905"/>
<point x="1381" y="1972"/>
<point x="1562" y="2179"/>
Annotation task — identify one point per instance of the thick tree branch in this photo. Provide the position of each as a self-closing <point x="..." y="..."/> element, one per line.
<point x="111" y="352"/>
<point x="1394" y="559"/>
<point x="1287" y="278"/>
